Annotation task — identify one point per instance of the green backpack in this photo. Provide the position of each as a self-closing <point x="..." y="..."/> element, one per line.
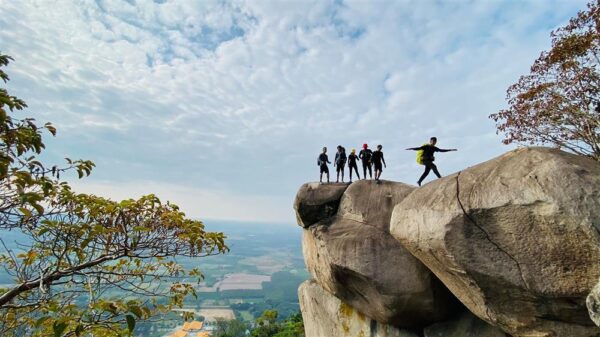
<point x="420" y="155"/>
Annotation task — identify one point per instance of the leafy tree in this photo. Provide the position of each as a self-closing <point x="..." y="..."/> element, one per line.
<point x="268" y="326"/>
<point x="559" y="101"/>
<point x="230" y="328"/>
<point x="293" y="326"/>
<point x="86" y="265"/>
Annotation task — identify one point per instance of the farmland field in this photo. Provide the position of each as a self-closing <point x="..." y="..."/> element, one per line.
<point x="212" y="314"/>
<point x="242" y="281"/>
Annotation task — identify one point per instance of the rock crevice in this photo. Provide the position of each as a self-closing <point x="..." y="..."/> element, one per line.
<point x="487" y="235"/>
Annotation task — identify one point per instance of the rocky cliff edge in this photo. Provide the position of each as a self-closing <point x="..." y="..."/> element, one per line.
<point x="508" y="247"/>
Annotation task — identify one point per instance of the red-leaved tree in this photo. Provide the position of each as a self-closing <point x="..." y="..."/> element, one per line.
<point x="558" y="102"/>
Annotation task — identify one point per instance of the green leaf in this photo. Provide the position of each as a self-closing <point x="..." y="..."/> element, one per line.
<point x="40" y="321"/>
<point x="59" y="328"/>
<point x="78" y="330"/>
<point x="25" y="211"/>
<point x="85" y="243"/>
<point x="38" y="208"/>
<point x="136" y="310"/>
<point x="51" y="128"/>
<point x="130" y="323"/>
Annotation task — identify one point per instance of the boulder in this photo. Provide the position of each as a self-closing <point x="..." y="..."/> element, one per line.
<point x="593" y="304"/>
<point x="353" y="256"/>
<point x="325" y="315"/>
<point x="516" y="239"/>
<point x="466" y="325"/>
<point x="315" y="202"/>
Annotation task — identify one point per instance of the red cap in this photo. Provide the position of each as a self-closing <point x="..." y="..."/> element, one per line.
<point x="365" y="146"/>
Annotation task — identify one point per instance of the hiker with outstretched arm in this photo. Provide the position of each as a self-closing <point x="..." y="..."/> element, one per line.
<point x="365" y="156"/>
<point x="352" y="159"/>
<point x="426" y="157"/>
<point x="378" y="160"/>
<point x="340" y="162"/>
<point x="322" y="161"/>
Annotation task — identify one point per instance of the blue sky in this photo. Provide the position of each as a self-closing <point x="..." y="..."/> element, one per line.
<point x="223" y="107"/>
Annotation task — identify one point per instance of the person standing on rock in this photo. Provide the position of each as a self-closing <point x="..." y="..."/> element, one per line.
<point x="340" y="162"/>
<point x="378" y="160"/>
<point x="365" y="156"/>
<point x="352" y="159"/>
<point x="322" y="161"/>
<point x="427" y="158"/>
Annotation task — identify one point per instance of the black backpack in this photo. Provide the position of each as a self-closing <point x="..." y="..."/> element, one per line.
<point x="321" y="161"/>
<point x="342" y="157"/>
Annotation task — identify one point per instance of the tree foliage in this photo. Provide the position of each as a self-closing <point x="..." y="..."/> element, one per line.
<point x="293" y="326"/>
<point x="558" y="103"/>
<point x="85" y="265"/>
<point x="267" y="325"/>
<point x="230" y="328"/>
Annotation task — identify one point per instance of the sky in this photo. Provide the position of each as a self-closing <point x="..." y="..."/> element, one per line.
<point x="222" y="107"/>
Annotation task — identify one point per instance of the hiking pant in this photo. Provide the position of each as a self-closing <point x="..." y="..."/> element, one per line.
<point x="429" y="165"/>
<point x="378" y="166"/>
<point x="355" y="167"/>
<point x="367" y="165"/>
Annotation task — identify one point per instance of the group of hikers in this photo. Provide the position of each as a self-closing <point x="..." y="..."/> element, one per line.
<point x="374" y="161"/>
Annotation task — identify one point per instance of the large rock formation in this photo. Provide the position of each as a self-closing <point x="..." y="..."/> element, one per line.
<point x="353" y="256"/>
<point x="326" y="316"/>
<point x="516" y="239"/>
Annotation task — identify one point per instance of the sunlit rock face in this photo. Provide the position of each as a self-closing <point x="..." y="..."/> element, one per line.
<point x="352" y="255"/>
<point x="516" y="239"/>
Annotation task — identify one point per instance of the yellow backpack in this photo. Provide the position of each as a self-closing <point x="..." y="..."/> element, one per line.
<point x="420" y="155"/>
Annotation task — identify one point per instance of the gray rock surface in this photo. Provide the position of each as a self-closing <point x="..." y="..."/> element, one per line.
<point x="315" y="202"/>
<point x="466" y="325"/>
<point x="516" y="239"/>
<point x="326" y="316"/>
<point x="353" y="256"/>
<point x="593" y="304"/>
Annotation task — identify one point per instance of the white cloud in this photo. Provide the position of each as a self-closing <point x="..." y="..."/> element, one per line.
<point x="197" y="202"/>
<point x="240" y="96"/>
